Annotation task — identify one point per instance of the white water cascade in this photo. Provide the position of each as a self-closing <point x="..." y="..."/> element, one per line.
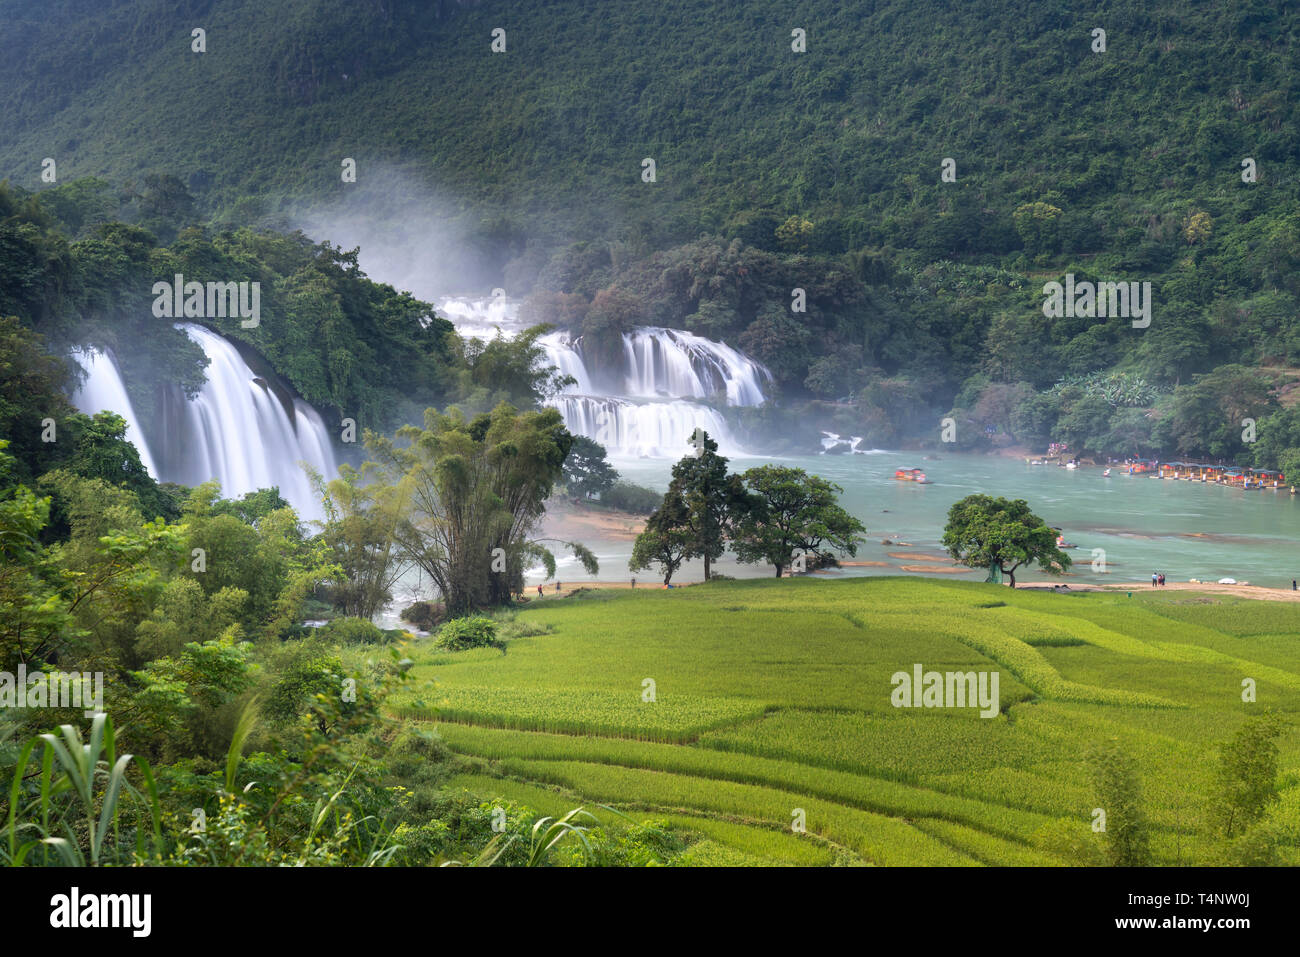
<point x="242" y="429"/>
<point x="103" y="389"/>
<point x="644" y="407"/>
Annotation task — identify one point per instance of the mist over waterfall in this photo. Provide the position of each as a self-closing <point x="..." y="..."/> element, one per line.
<point x="103" y="389"/>
<point x="644" y="408"/>
<point x="246" y="430"/>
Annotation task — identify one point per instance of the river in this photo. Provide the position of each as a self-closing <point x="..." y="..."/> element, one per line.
<point x="1183" y="529"/>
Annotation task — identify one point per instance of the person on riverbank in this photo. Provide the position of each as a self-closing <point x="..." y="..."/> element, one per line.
<point x="1154" y="579"/>
<point x="539" y="591"/>
<point x="1162" y="579"/>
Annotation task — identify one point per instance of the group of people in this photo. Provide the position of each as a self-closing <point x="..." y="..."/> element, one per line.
<point x="1157" y="579"/>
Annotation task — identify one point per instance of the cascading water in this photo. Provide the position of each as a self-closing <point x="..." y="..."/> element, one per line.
<point x="103" y="389"/>
<point x="242" y="429"/>
<point x="644" y="408"/>
<point x="684" y="365"/>
<point x="243" y="432"/>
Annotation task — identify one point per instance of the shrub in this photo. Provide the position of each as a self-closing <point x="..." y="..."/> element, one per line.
<point x="462" y="633"/>
<point x="354" y="631"/>
<point x="425" y="615"/>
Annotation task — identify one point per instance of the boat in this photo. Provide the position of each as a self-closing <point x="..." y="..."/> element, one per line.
<point x="1071" y="465"/>
<point x="912" y="475"/>
<point x="1062" y="543"/>
<point x="1106" y="474"/>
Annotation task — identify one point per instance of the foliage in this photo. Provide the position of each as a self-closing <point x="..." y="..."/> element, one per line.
<point x="1246" y="779"/>
<point x="586" y="473"/>
<point x="986" y="532"/>
<point x="462" y="633"/>
<point x="627" y="497"/>
<point x="476" y="490"/>
<point x="82" y="786"/>
<point x="791" y="510"/>
<point x="425" y="615"/>
<point x="350" y="630"/>
<point x="1119" y="795"/>
<point x="666" y="540"/>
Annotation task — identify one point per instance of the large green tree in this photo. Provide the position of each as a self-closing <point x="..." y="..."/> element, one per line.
<point x="791" y="511"/>
<point x="476" y="492"/>
<point x="987" y="532"/>
<point x="586" y="471"/>
<point x="666" y="539"/>
<point x="713" y="500"/>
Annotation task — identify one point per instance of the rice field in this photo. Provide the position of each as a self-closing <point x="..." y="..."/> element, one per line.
<point x="738" y="711"/>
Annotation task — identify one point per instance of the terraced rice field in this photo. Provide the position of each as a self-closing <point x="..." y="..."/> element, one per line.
<point x="772" y="699"/>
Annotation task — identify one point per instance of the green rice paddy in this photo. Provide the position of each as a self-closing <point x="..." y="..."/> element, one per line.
<point x="735" y="709"/>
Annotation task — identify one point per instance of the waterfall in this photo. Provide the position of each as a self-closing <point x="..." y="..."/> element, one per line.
<point x="245" y="430"/>
<point x="645" y="429"/>
<point x="648" y="412"/>
<point x="103" y="389"/>
<point x="684" y="365"/>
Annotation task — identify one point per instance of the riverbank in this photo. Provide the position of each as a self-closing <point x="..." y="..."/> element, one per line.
<point x="1239" y="590"/>
<point x="571" y="522"/>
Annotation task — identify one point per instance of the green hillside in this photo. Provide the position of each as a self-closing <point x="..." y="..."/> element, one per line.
<point x="551" y="133"/>
<point x="775" y="170"/>
<point x="773" y="696"/>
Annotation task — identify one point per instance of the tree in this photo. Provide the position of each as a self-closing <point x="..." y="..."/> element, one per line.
<point x="33" y="387"/>
<point x="1198" y="229"/>
<point x="666" y="539"/>
<point x="586" y="472"/>
<point x="1205" y="417"/>
<point x="1039" y="226"/>
<point x="253" y="507"/>
<point x="1246" y="779"/>
<point x="511" y="370"/>
<point x="1085" y="423"/>
<point x="1277" y="434"/>
<point x="475" y="491"/>
<point x="790" y="510"/>
<point x="986" y="532"/>
<point x="713" y="500"/>
<point x="1289" y="463"/>
<point x="1119" y="796"/>
<point x="361" y="519"/>
<point x="795" y="233"/>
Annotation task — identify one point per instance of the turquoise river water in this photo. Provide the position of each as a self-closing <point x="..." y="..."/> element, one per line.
<point x="1183" y="529"/>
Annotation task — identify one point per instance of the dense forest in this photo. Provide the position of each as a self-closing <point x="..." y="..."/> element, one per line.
<point x="824" y="171"/>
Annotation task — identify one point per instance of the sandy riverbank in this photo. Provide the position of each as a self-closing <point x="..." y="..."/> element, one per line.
<point x="1239" y="590"/>
<point x="573" y="522"/>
